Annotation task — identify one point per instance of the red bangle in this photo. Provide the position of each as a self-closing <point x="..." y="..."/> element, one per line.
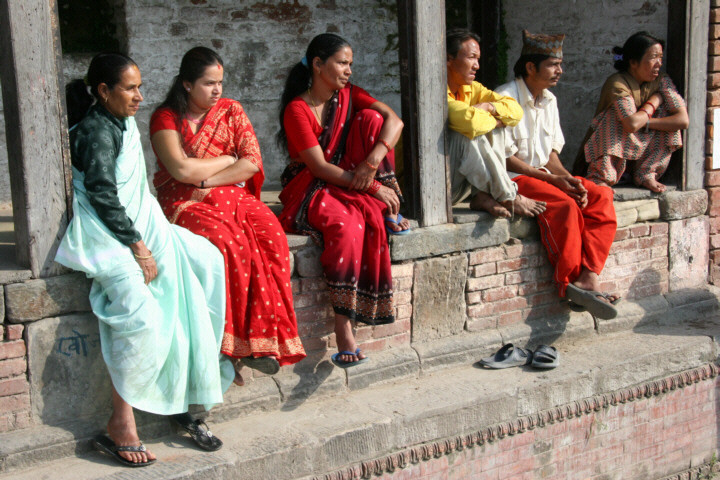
<point x="374" y="167"/>
<point x="374" y="187"/>
<point x="387" y="145"/>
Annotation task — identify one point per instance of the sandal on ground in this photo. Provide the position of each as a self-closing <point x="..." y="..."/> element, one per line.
<point x="396" y="222"/>
<point x="592" y="301"/>
<point x="343" y="364"/>
<point x="545" y="357"/>
<point x="198" y="430"/>
<point x="267" y="365"/>
<point x="104" y="444"/>
<point x="508" y="356"/>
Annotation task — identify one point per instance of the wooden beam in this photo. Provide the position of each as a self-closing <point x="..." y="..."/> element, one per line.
<point x="424" y="108"/>
<point x="36" y="127"/>
<point x="696" y="50"/>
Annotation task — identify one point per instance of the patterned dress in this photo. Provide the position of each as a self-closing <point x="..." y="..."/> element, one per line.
<point x="260" y="317"/>
<point x="609" y="147"/>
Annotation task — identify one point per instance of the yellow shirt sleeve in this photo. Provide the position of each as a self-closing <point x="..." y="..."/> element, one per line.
<point x="471" y="121"/>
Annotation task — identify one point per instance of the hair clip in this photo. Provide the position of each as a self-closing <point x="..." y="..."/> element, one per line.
<point x="617" y="57"/>
<point x="304" y="61"/>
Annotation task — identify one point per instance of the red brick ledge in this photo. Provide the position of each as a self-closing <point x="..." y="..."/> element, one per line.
<point x="695" y="473"/>
<point x="399" y="460"/>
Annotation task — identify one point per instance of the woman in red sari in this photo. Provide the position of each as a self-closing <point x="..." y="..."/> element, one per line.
<point x="340" y="186"/>
<point x="209" y="179"/>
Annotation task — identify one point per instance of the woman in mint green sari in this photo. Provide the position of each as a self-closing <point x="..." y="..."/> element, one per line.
<point x="158" y="290"/>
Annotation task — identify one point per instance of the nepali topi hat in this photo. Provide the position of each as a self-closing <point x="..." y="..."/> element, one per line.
<point x="541" y="44"/>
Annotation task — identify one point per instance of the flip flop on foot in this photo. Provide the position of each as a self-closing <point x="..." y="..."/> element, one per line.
<point x="395" y="232"/>
<point x="198" y="430"/>
<point x="343" y="364"/>
<point x="104" y="444"/>
<point x="597" y="303"/>
<point x="267" y="365"/>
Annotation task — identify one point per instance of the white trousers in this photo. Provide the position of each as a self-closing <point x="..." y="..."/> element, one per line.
<point x="479" y="165"/>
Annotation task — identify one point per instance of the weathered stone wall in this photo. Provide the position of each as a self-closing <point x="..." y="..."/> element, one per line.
<point x="259" y="42"/>
<point x="591" y="29"/>
<point x="4" y="179"/>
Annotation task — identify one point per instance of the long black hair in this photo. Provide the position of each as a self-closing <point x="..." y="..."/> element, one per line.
<point x="81" y="94"/>
<point x="192" y="67"/>
<point x="322" y="46"/>
<point x="634" y="49"/>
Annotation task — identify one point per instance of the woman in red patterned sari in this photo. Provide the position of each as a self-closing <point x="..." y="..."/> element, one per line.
<point x="209" y="179"/>
<point x="340" y="186"/>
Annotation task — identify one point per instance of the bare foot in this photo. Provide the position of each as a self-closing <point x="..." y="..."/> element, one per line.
<point x="122" y="430"/>
<point x="238" y="380"/>
<point x="653" y="185"/>
<point x="483" y="201"/>
<point x="527" y="207"/>
<point x="345" y="339"/>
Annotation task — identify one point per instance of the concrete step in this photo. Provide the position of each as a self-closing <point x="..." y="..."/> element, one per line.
<point x="324" y="434"/>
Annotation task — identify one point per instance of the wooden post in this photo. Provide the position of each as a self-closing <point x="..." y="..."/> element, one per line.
<point x="424" y="108"/>
<point x="696" y="49"/>
<point x="35" y="126"/>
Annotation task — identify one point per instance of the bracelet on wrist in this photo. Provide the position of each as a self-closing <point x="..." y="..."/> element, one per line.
<point x="374" y="167"/>
<point x="387" y="145"/>
<point x="142" y="257"/>
<point x="374" y="187"/>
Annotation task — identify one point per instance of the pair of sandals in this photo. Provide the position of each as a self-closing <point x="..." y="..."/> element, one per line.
<point x="599" y="304"/>
<point x="198" y="430"/>
<point x="509" y="355"/>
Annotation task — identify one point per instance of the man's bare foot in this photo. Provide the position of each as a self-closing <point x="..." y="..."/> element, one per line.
<point x="345" y="339"/>
<point x="653" y="185"/>
<point x="483" y="201"/>
<point x="527" y="207"/>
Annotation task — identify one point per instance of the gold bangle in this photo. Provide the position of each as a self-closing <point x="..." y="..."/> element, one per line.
<point x="374" y="167"/>
<point x="387" y="145"/>
<point x="141" y="257"/>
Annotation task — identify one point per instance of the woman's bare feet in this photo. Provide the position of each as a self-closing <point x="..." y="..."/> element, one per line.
<point x="653" y="185"/>
<point x="122" y="430"/>
<point x="345" y="339"/>
<point x="483" y="201"/>
<point x="527" y="207"/>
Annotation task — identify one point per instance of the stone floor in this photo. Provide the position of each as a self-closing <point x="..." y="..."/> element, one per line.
<point x="330" y="432"/>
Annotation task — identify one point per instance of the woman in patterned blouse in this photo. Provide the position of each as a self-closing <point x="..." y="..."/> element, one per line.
<point x="638" y="118"/>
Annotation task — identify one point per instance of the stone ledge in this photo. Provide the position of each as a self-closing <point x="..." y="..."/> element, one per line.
<point x="465" y="403"/>
<point x="47" y="297"/>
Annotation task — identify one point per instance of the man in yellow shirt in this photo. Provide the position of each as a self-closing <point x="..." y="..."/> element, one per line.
<point x="476" y="140"/>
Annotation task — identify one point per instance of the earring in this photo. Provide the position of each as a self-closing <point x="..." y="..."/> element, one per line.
<point x="187" y="89"/>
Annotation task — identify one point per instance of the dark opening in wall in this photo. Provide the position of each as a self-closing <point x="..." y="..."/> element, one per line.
<point x="91" y="26"/>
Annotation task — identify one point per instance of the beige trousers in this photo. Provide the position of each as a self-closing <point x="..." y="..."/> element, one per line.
<point x="479" y="165"/>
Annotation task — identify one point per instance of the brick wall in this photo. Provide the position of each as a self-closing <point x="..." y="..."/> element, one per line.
<point x="712" y="177"/>
<point x="512" y="284"/>
<point x="658" y="437"/>
<point x="14" y="386"/>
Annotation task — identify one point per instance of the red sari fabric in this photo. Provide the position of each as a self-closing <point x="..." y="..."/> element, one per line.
<point x="348" y="224"/>
<point x="260" y="319"/>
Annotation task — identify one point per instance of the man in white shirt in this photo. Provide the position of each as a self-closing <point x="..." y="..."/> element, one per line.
<point x="579" y="224"/>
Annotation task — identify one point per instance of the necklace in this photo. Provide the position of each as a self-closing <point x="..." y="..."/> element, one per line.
<point x="194" y="121"/>
<point x="315" y="109"/>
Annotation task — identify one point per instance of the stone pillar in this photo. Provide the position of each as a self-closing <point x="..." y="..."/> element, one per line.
<point x="36" y="128"/>
<point x="712" y="177"/>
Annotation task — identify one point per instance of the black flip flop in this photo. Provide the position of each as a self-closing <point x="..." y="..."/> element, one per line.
<point x="267" y="365"/>
<point x="545" y="357"/>
<point x="591" y="301"/>
<point x="508" y="356"/>
<point x="104" y="444"/>
<point x="198" y="430"/>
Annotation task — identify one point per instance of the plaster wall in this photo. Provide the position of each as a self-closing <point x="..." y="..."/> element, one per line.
<point x="259" y="42"/>
<point x="591" y="29"/>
